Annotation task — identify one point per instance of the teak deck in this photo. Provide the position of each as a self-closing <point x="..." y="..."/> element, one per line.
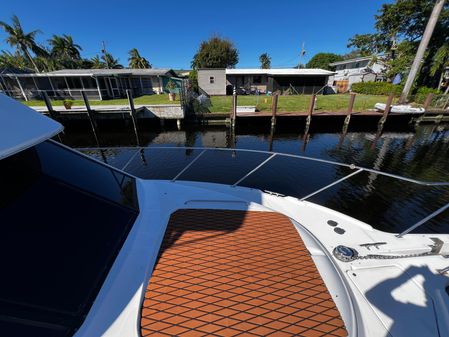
<point x="236" y="273"/>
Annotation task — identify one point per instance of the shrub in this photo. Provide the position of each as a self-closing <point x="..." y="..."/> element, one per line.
<point x="376" y="88"/>
<point x="171" y="86"/>
<point x="422" y="92"/>
<point x="193" y="77"/>
<point x="67" y="103"/>
<point x="384" y="88"/>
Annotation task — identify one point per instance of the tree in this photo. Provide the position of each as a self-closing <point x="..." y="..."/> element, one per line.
<point x="63" y="53"/>
<point x="48" y="63"/>
<point x="110" y="62"/>
<point x="265" y="61"/>
<point x="24" y="42"/>
<point x="63" y="47"/>
<point x="135" y="61"/>
<point x="353" y="54"/>
<point x="10" y="60"/>
<point x="322" y="60"/>
<point x="106" y="61"/>
<point x="97" y="62"/>
<point x="85" y="64"/>
<point x="193" y="77"/>
<point x="215" y="53"/>
<point x="399" y="28"/>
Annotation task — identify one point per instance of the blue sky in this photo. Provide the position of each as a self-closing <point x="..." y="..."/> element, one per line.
<point x="168" y="32"/>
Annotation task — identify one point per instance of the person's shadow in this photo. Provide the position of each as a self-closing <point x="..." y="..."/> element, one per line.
<point x="408" y="305"/>
<point x="213" y="223"/>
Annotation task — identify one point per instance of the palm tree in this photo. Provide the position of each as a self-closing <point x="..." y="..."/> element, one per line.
<point x="48" y="63"/>
<point x="110" y="61"/>
<point x="439" y="62"/>
<point x="24" y="42"/>
<point x="64" y="47"/>
<point x="265" y="61"/>
<point x="10" y="60"/>
<point x="97" y="63"/>
<point x="73" y="49"/>
<point x="136" y="61"/>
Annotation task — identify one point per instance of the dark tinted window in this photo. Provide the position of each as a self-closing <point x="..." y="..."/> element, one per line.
<point x="63" y="219"/>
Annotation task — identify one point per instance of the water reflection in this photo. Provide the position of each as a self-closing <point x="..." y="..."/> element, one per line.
<point x="421" y="153"/>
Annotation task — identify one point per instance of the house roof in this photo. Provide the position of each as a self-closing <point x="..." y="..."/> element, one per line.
<point x="357" y="59"/>
<point x="284" y="71"/>
<point x="100" y="72"/>
<point x="12" y="70"/>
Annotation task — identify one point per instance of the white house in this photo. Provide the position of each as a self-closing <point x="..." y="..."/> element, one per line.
<point x="303" y="81"/>
<point x="360" y="69"/>
<point x="98" y="84"/>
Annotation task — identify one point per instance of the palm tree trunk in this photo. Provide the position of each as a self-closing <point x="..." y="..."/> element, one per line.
<point x="25" y="51"/>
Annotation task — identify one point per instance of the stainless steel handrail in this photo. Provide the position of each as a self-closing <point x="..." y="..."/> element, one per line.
<point x="423" y="221"/>
<point x="351" y="166"/>
<point x="254" y="169"/>
<point x="358" y="169"/>
<point x="188" y="165"/>
<point x="331" y="184"/>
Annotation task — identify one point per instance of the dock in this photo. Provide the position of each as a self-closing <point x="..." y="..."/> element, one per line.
<point x="179" y="112"/>
<point x="429" y="114"/>
<point x="161" y="111"/>
<point x="318" y="114"/>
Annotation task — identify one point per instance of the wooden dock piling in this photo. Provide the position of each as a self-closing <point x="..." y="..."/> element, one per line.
<point x="308" y="120"/>
<point x="386" y="112"/>
<point x="90" y="115"/>
<point x="428" y="101"/>
<point x="53" y="114"/>
<point x="132" y="109"/>
<point x="132" y="113"/>
<point x="344" y="130"/>
<point x="274" y="107"/>
<point x="311" y="109"/>
<point x="234" y="108"/>
<point x="350" y="108"/>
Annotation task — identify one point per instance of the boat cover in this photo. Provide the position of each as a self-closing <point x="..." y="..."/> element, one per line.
<point x="406" y="109"/>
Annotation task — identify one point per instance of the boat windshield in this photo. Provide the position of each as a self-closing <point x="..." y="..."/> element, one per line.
<point x="387" y="202"/>
<point x="63" y="217"/>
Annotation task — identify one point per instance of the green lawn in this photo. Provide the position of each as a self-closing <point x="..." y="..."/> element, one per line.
<point x="147" y="99"/>
<point x="328" y="103"/>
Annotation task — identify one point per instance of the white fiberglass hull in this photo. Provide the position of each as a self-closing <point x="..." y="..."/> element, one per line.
<point x="375" y="297"/>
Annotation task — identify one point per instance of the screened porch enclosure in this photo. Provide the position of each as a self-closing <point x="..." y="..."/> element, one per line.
<point x="107" y="84"/>
<point x="299" y="85"/>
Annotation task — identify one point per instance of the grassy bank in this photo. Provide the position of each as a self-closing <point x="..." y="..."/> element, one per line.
<point x="144" y="100"/>
<point x="328" y="103"/>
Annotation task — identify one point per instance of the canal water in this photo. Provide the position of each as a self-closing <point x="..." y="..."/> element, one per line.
<point x="387" y="204"/>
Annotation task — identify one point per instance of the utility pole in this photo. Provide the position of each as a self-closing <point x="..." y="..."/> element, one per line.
<point x="104" y="54"/>
<point x="421" y="50"/>
<point x="301" y="55"/>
